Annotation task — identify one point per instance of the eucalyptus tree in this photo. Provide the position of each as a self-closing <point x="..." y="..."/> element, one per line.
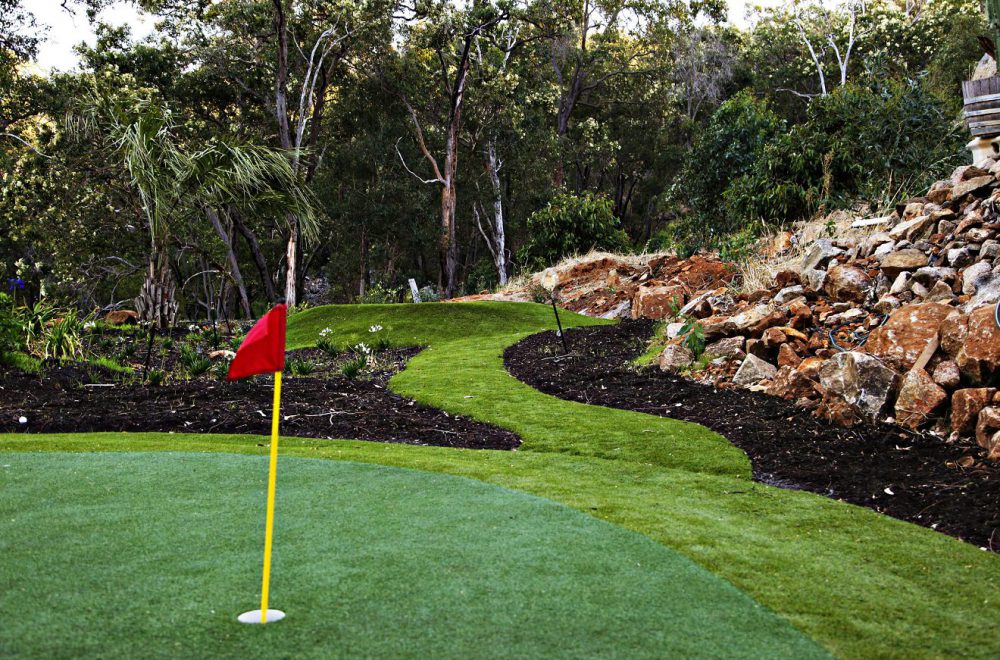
<point x="176" y="180"/>
<point x="438" y="48"/>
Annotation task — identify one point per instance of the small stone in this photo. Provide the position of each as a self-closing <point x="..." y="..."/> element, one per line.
<point x="847" y="283"/>
<point x="787" y="357"/>
<point x="971" y="185"/>
<point x="947" y="375"/>
<point x="915" y="229"/>
<point x="908" y="259"/>
<point x="960" y="257"/>
<point x="729" y="348"/>
<point x="789" y="293"/>
<point x="753" y="370"/>
<point x="941" y="292"/>
<point x="886" y="304"/>
<point x="975" y="276"/>
<point x="674" y="358"/>
<point x="819" y="253"/>
<point x="788" y="383"/>
<point x="813" y="279"/>
<point x="773" y="337"/>
<point x="989" y="250"/>
<point x="978" y="235"/>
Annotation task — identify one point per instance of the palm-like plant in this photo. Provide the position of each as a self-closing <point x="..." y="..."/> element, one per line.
<point x="175" y="181"/>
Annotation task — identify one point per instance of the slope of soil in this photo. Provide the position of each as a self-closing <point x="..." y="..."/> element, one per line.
<point x="914" y="477"/>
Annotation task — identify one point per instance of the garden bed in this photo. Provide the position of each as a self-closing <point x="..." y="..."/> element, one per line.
<point x="324" y="404"/>
<point x="915" y="477"/>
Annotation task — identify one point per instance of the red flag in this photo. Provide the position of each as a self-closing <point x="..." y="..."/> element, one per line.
<point x="263" y="350"/>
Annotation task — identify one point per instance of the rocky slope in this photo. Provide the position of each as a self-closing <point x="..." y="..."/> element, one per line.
<point x="896" y="320"/>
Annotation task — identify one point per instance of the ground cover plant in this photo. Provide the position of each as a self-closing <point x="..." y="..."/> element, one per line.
<point x="855" y="581"/>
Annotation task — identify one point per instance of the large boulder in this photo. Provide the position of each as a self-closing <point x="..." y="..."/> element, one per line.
<point x="919" y="398"/>
<point x="906" y="334"/>
<point x="789" y="383"/>
<point x="657" y="302"/>
<point x="847" y="283"/>
<point x="861" y="381"/>
<point x="988" y="432"/>
<point x="979" y="357"/>
<point x="753" y="370"/>
<point x="965" y="408"/>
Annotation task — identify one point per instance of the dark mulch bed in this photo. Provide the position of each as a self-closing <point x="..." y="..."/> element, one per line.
<point x="326" y="406"/>
<point x="787" y="446"/>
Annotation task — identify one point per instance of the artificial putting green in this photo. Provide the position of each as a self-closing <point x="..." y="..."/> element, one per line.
<point x="862" y="584"/>
<point x="151" y="555"/>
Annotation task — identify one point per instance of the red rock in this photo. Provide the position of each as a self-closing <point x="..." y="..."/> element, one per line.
<point x="987" y="424"/>
<point x="787" y="278"/>
<point x="979" y="357"/>
<point x="947" y="375"/>
<point x="965" y="408"/>
<point x="919" y="398"/>
<point x="121" y="317"/>
<point x="810" y="367"/>
<point x="906" y="334"/>
<point x="773" y="337"/>
<point x="847" y="283"/>
<point x="791" y="384"/>
<point x="787" y="357"/>
<point x="657" y="302"/>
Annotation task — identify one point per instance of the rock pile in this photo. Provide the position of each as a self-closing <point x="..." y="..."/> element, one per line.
<point x="899" y="323"/>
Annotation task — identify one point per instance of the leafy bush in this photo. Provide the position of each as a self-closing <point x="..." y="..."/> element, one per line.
<point x="571" y="225"/>
<point x="326" y="344"/>
<point x="379" y="294"/>
<point x="156" y="377"/>
<point x="876" y="143"/>
<point x="11" y="329"/>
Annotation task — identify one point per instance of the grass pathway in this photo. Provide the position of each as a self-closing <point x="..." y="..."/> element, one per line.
<point x="860" y="583"/>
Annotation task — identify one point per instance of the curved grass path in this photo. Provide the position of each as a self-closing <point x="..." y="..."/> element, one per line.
<point x="132" y="556"/>
<point x="862" y="584"/>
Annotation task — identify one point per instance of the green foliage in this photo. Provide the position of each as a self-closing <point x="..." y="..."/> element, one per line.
<point x="571" y="225"/>
<point x="156" y="377"/>
<point x="11" y="327"/>
<point x="354" y="367"/>
<point x="380" y="294"/>
<point x="693" y="336"/>
<point x="878" y="142"/>
<point x="326" y="343"/>
<point x="299" y="367"/>
<point x="22" y="362"/>
<point x="61" y="339"/>
<point x="195" y="363"/>
<point x="110" y="364"/>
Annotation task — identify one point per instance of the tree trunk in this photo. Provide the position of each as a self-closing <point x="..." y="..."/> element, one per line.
<point x="292" y="263"/>
<point x="258" y="257"/>
<point x="156" y="303"/>
<point x="234" y="263"/>
<point x="499" y="248"/>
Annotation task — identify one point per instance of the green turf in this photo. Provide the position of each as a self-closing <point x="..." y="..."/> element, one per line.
<point x="860" y="583"/>
<point x="146" y="555"/>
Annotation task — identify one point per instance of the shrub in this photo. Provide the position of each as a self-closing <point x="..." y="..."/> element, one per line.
<point x="379" y="294"/>
<point x="156" y="377"/>
<point x="11" y="329"/>
<point x="571" y="225"/>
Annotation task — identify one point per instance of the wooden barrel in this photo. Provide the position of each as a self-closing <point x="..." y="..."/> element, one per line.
<point x="982" y="106"/>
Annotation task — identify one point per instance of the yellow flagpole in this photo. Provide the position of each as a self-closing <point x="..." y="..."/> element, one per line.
<point x="271" y="480"/>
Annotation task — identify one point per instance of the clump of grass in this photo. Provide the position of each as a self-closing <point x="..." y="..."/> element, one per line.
<point x="326" y="344"/>
<point x="298" y="367"/>
<point x="354" y="367"/>
<point x="22" y="362"/>
<point x="109" y="364"/>
<point x="156" y="377"/>
<point x="194" y="362"/>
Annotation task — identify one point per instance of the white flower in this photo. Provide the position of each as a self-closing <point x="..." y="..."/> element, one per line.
<point x="325" y="331"/>
<point x="22" y="420"/>
<point x="193" y="328"/>
<point x="375" y="328"/>
<point x="363" y="348"/>
<point x="89" y="325"/>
